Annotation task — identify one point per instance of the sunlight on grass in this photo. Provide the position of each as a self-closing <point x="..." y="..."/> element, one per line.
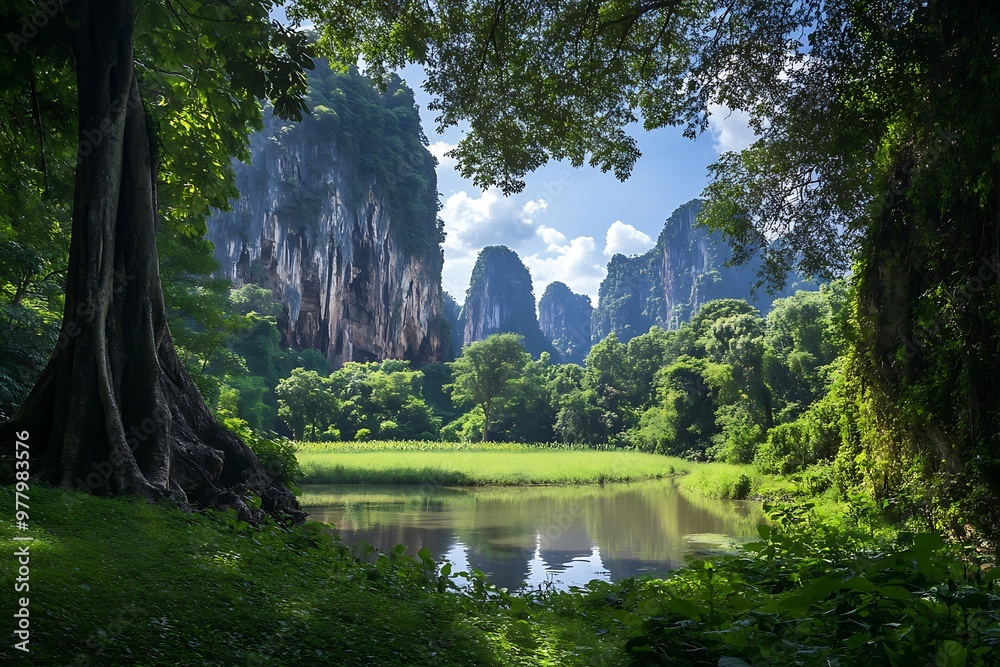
<point x="458" y="465"/>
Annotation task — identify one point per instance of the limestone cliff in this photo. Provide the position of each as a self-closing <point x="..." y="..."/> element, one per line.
<point x="500" y="299"/>
<point x="337" y="215"/>
<point x="452" y="313"/>
<point x="564" y="318"/>
<point x="667" y="285"/>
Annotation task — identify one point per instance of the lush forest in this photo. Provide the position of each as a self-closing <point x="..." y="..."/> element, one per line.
<point x="816" y="482"/>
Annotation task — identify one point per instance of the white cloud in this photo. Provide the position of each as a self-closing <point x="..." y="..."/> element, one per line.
<point x="472" y="222"/>
<point x="575" y="263"/>
<point x="532" y="207"/>
<point x="623" y="238"/>
<point x="552" y="237"/>
<point x="490" y="219"/>
<point x="456" y="272"/>
<point x="438" y="150"/>
<point x="731" y="129"/>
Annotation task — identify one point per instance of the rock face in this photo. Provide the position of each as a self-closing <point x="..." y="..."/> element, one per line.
<point x="452" y="313"/>
<point x="667" y="285"/>
<point x="342" y="226"/>
<point x="500" y="299"/>
<point x="564" y="318"/>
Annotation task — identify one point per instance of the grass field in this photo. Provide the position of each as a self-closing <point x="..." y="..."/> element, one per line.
<point x="511" y="464"/>
<point x="462" y="464"/>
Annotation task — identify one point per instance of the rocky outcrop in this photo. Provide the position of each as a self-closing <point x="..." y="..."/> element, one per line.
<point x="452" y="313"/>
<point x="564" y="318"/>
<point x="666" y="286"/>
<point x="500" y="299"/>
<point x="342" y="225"/>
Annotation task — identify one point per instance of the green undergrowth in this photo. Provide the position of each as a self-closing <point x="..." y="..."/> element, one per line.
<point x="726" y="481"/>
<point x="118" y="582"/>
<point x="806" y="593"/>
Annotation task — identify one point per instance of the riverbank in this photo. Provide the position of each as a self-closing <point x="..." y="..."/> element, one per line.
<point x="518" y="464"/>
<point x="512" y="464"/>
<point x="119" y="582"/>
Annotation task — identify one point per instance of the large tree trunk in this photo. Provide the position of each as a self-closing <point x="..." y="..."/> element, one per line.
<point x="115" y="411"/>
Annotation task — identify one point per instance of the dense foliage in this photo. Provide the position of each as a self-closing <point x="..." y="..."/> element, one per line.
<point x="729" y="386"/>
<point x="357" y="402"/>
<point x="488" y="373"/>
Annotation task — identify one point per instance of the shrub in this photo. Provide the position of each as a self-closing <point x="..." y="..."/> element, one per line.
<point x="276" y="455"/>
<point x="467" y="428"/>
<point x="741" y="490"/>
<point x="331" y="434"/>
<point x="814" y="436"/>
<point x="786" y="449"/>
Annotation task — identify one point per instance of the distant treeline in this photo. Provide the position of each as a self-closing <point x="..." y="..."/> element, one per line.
<point x="729" y="385"/>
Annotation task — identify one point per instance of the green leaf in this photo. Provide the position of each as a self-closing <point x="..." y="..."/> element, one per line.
<point x="729" y="661"/>
<point x="951" y="654"/>
<point x="895" y="592"/>
<point x="859" y="584"/>
<point x="685" y="608"/>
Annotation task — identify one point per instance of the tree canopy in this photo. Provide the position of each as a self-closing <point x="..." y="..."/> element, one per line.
<point x="830" y="87"/>
<point x="488" y="372"/>
<point x="564" y="80"/>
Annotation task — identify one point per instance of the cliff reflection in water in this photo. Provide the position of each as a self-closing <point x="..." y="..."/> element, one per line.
<point x="527" y="535"/>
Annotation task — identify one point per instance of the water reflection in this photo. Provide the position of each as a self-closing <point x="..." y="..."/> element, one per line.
<point x="525" y="536"/>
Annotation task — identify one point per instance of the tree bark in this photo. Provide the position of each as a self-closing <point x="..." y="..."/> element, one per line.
<point x="115" y="411"/>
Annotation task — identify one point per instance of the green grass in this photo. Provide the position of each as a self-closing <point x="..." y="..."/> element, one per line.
<point x="437" y="446"/>
<point x="455" y="464"/>
<point x="724" y="481"/>
<point x="119" y="582"/>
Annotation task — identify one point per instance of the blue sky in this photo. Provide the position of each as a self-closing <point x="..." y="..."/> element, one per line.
<point x="568" y="222"/>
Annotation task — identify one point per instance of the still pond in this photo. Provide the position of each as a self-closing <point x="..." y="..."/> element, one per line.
<point x="538" y="535"/>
